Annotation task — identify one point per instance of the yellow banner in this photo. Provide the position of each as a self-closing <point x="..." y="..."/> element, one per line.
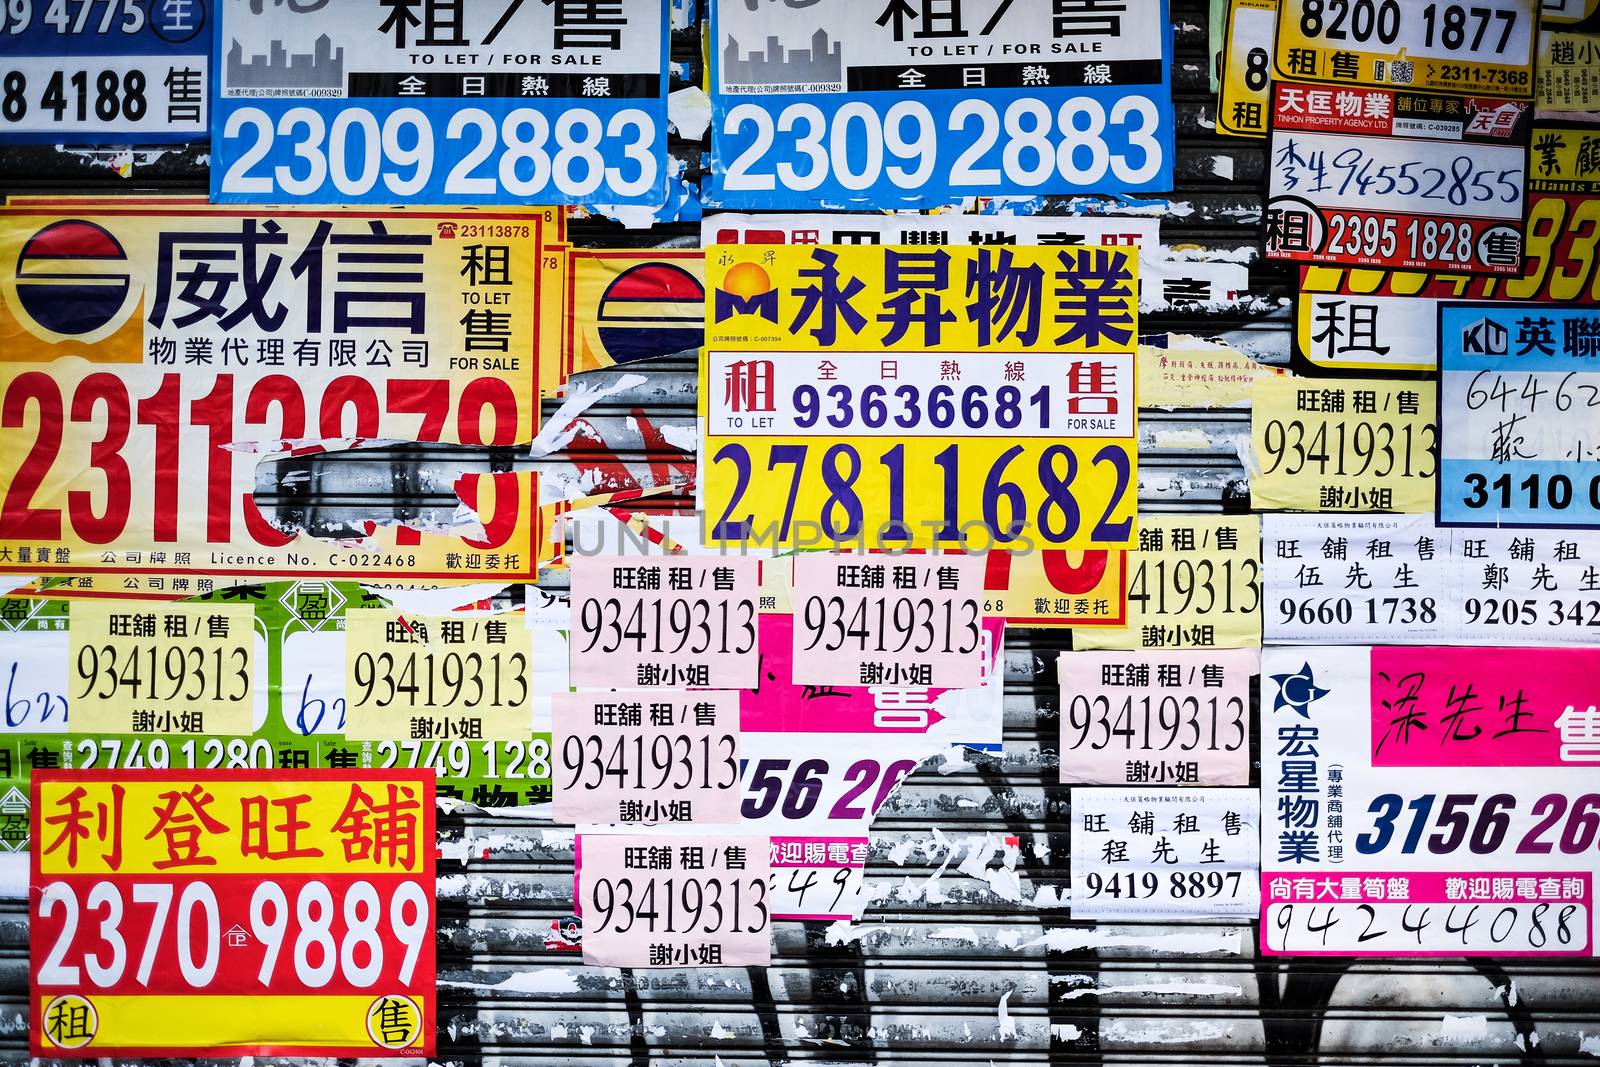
<point x="1244" y="99"/>
<point x="142" y="668"/>
<point x="884" y="298"/>
<point x="1196" y="374"/>
<point x="167" y="822"/>
<point x="1195" y="582"/>
<point x="153" y="349"/>
<point x="1052" y="587"/>
<point x="1569" y="12"/>
<point x="151" y="1025"/>
<point x="1569" y="71"/>
<point x="1347" y="445"/>
<point x="1486" y="47"/>
<point x="463" y="676"/>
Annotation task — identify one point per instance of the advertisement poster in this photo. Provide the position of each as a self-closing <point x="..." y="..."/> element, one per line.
<point x="460" y="103"/>
<point x="1378" y="319"/>
<point x="1347" y="445"/>
<point x="627" y="305"/>
<point x="672" y="623"/>
<point x="1194" y="583"/>
<point x="1165" y="281"/>
<point x="298" y="715"/>
<point x="192" y="341"/>
<point x="1399" y="579"/>
<point x="437" y="677"/>
<point x="1244" y="104"/>
<point x="835" y="376"/>
<point x="298" y="908"/>
<point x="106" y="73"/>
<point x="664" y="902"/>
<point x="896" y="621"/>
<point x="1151" y="854"/>
<point x="644" y="757"/>
<point x="1180" y="717"/>
<point x="866" y="106"/>
<point x="1519" y="403"/>
<point x="1388" y="178"/>
<point x="1428" y="801"/>
<point x="1485" y="47"/>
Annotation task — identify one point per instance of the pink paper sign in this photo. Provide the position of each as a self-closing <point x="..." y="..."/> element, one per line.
<point x="668" y="901"/>
<point x="678" y="622"/>
<point x="1427" y="913"/>
<point x="1157" y="718"/>
<point x="776" y="706"/>
<point x="879" y="620"/>
<point x="646" y="757"/>
<point x="1485" y="707"/>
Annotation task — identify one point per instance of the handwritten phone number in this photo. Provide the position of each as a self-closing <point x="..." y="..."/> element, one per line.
<point x="1459" y="183"/>
<point x="667" y="761"/>
<point x="1374" y="929"/>
<point x="1140" y="721"/>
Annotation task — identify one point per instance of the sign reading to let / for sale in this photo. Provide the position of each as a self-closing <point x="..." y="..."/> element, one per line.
<point x="232" y="913"/>
<point x="1351" y="445"/>
<point x="145" y="340"/>
<point x="842" y="385"/>
<point x="1428" y="801"/>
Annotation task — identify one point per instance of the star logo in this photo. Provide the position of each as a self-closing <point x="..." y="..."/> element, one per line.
<point x="1297" y="691"/>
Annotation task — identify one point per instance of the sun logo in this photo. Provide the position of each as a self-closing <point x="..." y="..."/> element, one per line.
<point x="746" y="290"/>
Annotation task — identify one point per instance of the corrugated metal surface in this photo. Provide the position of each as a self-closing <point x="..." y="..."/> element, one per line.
<point x="944" y="972"/>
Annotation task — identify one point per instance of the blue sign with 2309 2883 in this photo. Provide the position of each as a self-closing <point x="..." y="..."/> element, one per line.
<point x="441" y="102"/>
<point x="105" y="71"/>
<point x="916" y="103"/>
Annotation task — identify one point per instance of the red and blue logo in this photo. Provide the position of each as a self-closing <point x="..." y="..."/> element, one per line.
<point x="72" y="277"/>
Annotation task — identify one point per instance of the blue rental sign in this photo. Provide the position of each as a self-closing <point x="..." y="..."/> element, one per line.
<point x="916" y="103"/>
<point x="104" y="71"/>
<point x="1519" y="415"/>
<point x="441" y="102"/>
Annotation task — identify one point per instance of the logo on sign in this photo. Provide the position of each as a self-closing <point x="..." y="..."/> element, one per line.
<point x="72" y="277"/>
<point x="1485" y="338"/>
<point x="1297" y="691"/>
<point x="653" y="309"/>
<point x="746" y="290"/>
